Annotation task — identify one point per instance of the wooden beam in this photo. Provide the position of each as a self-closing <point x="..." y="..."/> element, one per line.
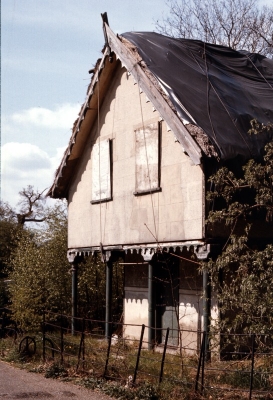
<point x="156" y="98"/>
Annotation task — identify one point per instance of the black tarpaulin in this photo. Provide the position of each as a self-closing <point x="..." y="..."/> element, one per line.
<point x="219" y="89"/>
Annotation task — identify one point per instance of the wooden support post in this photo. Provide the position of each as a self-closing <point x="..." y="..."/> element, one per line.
<point x="73" y="259"/>
<point x="202" y="254"/>
<point x="206" y="312"/>
<point x="74" y="274"/>
<point x="151" y="307"/>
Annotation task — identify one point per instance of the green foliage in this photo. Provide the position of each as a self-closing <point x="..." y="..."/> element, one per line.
<point x="12" y="230"/>
<point x="40" y="271"/>
<point x="8" y="229"/>
<point x="91" y="289"/>
<point x="244" y="204"/>
<point x="40" y="278"/>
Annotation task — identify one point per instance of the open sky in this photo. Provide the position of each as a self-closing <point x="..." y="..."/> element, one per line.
<point x="47" y="49"/>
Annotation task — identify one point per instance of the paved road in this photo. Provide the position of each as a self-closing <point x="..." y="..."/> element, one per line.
<point x="20" y="384"/>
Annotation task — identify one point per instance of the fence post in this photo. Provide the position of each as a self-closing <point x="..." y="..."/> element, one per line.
<point x="252" y="364"/>
<point x="109" y="347"/>
<point x="203" y="361"/>
<point x="164" y="354"/>
<point x="201" y="357"/>
<point x="43" y="328"/>
<point x="81" y="348"/>
<point x="138" y="353"/>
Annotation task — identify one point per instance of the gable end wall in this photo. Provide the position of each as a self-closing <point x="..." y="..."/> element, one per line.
<point x="174" y="214"/>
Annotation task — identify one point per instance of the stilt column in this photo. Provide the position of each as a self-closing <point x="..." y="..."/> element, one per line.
<point x="74" y="301"/>
<point x="147" y="256"/>
<point x="202" y="255"/>
<point x="151" y="306"/>
<point x="206" y="310"/>
<point x="73" y="259"/>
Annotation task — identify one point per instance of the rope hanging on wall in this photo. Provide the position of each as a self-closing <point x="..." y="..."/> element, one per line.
<point x="155" y="234"/>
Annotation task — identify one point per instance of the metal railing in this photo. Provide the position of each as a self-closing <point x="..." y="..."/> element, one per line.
<point x="234" y="362"/>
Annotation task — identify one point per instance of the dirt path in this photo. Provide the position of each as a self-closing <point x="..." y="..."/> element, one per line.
<point x="20" y="384"/>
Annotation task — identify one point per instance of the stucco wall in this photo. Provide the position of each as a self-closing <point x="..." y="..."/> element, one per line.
<point x="174" y="214"/>
<point x="135" y="309"/>
<point x="191" y="304"/>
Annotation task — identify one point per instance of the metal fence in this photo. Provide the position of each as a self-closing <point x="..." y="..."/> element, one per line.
<point x="237" y="363"/>
<point x="234" y="363"/>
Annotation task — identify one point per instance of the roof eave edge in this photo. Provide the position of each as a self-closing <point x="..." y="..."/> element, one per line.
<point x="171" y="118"/>
<point x="76" y="128"/>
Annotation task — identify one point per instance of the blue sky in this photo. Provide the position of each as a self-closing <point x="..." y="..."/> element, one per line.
<point x="47" y="49"/>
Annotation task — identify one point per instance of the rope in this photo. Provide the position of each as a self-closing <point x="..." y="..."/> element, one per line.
<point x="259" y="71"/>
<point x="219" y="98"/>
<point x="149" y="177"/>
<point x="208" y="87"/>
<point x="99" y="156"/>
<point x="110" y="180"/>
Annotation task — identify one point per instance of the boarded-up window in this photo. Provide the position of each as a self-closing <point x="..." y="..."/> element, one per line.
<point x="147" y="158"/>
<point x="101" y="171"/>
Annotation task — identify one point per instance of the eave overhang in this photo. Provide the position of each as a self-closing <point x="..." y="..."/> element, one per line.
<point x="97" y="90"/>
<point x="100" y="81"/>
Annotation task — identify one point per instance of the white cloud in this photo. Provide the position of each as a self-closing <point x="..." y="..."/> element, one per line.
<point x="33" y="142"/>
<point x="48" y="129"/>
<point x="26" y="164"/>
<point x="62" y="117"/>
<point x="24" y="157"/>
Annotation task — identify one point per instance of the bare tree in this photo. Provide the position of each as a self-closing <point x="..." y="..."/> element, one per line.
<point x="31" y="206"/>
<point x="238" y="24"/>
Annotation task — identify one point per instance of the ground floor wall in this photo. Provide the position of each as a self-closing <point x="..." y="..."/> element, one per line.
<point x="190" y="318"/>
<point x="135" y="310"/>
<point x="185" y="323"/>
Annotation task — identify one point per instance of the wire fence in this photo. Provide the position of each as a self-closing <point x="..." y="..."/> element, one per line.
<point x="234" y="363"/>
<point x="239" y="364"/>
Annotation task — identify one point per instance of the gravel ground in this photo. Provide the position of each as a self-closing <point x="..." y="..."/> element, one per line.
<point x="19" y="384"/>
